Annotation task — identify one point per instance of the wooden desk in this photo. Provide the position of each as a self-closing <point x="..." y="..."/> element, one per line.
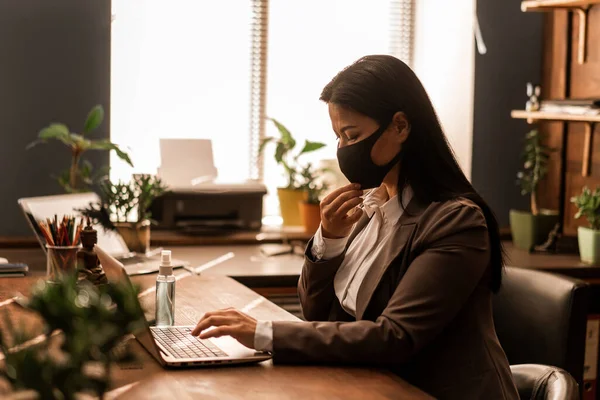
<point x="173" y="238"/>
<point x="253" y="269"/>
<point x="197" y="294"/>
<point x="565" y="264"/>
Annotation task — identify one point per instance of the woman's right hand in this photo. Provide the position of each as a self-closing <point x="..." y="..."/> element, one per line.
<point x="335" y="221"/>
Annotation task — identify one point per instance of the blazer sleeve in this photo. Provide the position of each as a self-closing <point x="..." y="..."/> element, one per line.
<point x="315" y="287"/>
<point x="436" y="285"/>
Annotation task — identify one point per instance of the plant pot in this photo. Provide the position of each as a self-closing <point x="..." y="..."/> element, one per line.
<point x="589" y="245"/>
<point x="135" y="235"/>
<point x="311" y="216"/>
<point x="288" y="202"/>
<point x="529" y="230"/>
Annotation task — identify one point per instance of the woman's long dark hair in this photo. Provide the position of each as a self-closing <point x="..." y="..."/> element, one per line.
<point x="378" y="86"/>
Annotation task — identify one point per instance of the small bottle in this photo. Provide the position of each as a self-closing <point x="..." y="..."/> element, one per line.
<point x="165" y="291"/>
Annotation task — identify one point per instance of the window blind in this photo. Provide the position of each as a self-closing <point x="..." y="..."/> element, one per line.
<point x="205" y="69"/>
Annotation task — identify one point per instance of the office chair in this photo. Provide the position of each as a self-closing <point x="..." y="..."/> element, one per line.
<point x="541" y="382"/>
<point x="541" y="318"/>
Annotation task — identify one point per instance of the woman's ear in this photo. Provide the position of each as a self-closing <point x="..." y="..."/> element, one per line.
<point x="401" y="125"/>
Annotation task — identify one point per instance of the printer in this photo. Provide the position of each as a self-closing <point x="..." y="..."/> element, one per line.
<point x="197" y="203"/>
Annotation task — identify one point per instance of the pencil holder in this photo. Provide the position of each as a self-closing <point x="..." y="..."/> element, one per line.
<point x="61" y="260"/>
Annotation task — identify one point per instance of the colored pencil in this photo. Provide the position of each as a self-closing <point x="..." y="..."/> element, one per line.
<point x="64" y="233"/>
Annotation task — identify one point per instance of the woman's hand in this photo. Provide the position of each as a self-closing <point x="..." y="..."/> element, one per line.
<point x="227" y="322"/>
<point x="335" y="221"/>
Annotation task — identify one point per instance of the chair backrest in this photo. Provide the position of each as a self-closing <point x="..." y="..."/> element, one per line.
<point x="541" y="318"/>
<point x="542" y="382"/>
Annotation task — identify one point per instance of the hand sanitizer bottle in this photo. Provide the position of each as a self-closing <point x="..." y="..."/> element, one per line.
<point x="165" y="291"/>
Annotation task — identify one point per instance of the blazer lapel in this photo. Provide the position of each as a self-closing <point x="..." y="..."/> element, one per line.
<point x="405" y="227"/>
<point x="359" y="226"/>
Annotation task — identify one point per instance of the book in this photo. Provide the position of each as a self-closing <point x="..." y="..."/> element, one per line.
<point x="13" y="270"/>
<point x="589" y="102"/>
<point x="570" y="109"/>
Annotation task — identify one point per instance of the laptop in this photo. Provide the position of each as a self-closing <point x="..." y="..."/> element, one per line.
<point x="174" y="346"/>
<point x="40" y="208"/>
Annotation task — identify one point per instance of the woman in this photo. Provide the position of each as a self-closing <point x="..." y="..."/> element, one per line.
<point x="403" y="278"/>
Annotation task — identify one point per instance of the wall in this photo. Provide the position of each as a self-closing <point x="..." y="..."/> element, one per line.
<point x="444" y="61"/>
<point x="514" y="56"/>
<point x="54" y="66"/>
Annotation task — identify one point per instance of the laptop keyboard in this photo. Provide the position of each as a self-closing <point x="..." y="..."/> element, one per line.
<point x="181" y="344"/>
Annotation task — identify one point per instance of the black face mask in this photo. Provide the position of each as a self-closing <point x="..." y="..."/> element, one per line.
<point x="357" y="165"/>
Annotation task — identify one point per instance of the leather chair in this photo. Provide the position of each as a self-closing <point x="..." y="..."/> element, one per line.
<point x="541" y="318"/>
<point x="541" y="382"/>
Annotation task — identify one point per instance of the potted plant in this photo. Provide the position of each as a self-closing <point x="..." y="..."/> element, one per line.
<point x="310" y="209"/>
<point x="531" y="228"/>
<point x="294" y="192"/>
<point x="80" y="176"/>
<point x="75" y="364"/>
<point x="588" y="205"/>
<point x="126" y="208"/>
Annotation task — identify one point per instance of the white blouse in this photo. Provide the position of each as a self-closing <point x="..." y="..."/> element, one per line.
<point x="384" y="214"/>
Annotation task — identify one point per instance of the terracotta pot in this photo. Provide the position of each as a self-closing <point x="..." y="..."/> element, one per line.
<point x="311" y="216"/>
<point x="136" y="236"/>
<point x="288" y="202"/>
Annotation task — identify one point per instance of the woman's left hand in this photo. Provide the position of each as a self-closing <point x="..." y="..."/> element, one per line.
<point x="227" y="322"/>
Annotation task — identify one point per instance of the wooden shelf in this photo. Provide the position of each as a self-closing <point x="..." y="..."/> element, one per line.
<point x="589" y="120"/>
<point x="580" y="7"/>
<point x="549" y="5"/>
<point x="532" y="116"/>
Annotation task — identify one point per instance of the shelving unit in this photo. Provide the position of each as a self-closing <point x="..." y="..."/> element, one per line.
<point x="532" y="116"/>
<point x="588" y="120"/>
<point x="548" y="5"/>
<point x="581" y="7"/>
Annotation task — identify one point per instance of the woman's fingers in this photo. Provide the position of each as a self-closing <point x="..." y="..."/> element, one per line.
<point x="342" y="198"/>
<point x="211" y="317"/>
<point x="228" y="322"/>
<point x="354" y="217"/>
<point x="336" y="193"/>
<point x="212" y="320"/>
<point x="226" y="330"/>
<point x="347" y="206"/>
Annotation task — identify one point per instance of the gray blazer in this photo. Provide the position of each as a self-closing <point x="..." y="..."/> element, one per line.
<point x="427" y="315"/>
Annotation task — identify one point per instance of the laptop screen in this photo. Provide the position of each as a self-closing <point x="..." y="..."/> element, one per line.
<point x="40" y="208"/>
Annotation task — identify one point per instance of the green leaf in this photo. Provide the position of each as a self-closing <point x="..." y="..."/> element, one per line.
<point x="55" y="131"/>
<point x="263" y="144"/>
<point x="86" y="169"/>
<point x="80" y="142"/>
<point x="286" y="136"/>
<point x="94" y="119"/>
<point x="107" y="145"/>
<point x="311" y="146"/>
<point x="280" y="152"/>
<point x="34" y="143"/>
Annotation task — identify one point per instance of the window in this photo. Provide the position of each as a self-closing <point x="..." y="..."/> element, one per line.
<point x="180" y="70"/>
<point x="309" y="42"/>
<point x="207" y="69"/>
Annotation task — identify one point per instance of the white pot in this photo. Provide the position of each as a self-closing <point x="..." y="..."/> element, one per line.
<point x="589" y="245"/>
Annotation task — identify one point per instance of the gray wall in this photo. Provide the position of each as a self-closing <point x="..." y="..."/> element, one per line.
<point x="54" y="66"/>
<point x="514" y="57"/>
